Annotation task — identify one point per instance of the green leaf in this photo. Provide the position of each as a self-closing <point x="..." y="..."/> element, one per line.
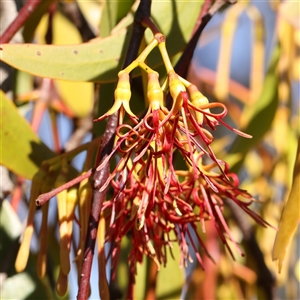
<point x="113" y="12"/>
<point x="100" y="60"/>
<point x="96" y="60"/>
<point x="290" y="217"/>
<point x="23" y="83"/>
<point x="69" y="36"/>
<point x="262" y="117"/>
<point x="78" y="96"/>
<point x="22" y="151"/>
<point x="108" y="18"/>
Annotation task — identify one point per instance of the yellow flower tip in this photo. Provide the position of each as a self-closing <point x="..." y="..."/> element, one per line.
<point x="24" y="250"/>
<point x="122" y="97"/>
<point x="155" y="94"/>
<point x="62" y="283"/>
<point x="22" y="259"/>
<point x="130" y="113"/>
<point x="197" y="98"/>
<point x="123" y="91"/>
<point x="175" y="85"/>
<point x="114" y="108"/>
<point x="41" y="265"/>
<point x="199" y="101"/>
<point x="64" y="251"/>
<point x="72" y="199"/>
<point x="84" y="191"/>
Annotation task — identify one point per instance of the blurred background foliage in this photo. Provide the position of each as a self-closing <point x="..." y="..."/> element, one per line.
<point x="247" y="57"/>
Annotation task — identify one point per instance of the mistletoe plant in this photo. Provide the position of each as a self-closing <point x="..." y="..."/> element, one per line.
<point x="152" y="177"/>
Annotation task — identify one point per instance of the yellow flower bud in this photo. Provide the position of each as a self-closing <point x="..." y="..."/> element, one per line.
<point x="72" y="200"/>
<point x="123" y="91"/>
<point x="24" y="250"/>
<point x="122" y="98"/>
<point x="102" y="283"/>
<point x="85" y="194"/>
<point x="63" y="225"/>
<point x="199" y="101"/>
<point x="176" y="87"/>
<point x="154" y="93"/>
<point x="42" y="254"/>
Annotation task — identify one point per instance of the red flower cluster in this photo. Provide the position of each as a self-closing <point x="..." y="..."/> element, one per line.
<point x="151" y="197"/>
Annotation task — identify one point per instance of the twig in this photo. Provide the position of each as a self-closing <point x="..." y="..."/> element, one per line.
<point x="20" y="20"/>
<point x="106" y="147"/>
<point x="43" y="198"/>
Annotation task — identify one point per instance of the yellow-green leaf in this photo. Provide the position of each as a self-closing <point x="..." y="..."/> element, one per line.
<point x="69" y="36"/>
<point x="21" y="150"/>
<point x="290" y="216"/>
<point x="113" y="12"/>
<point x="94" y="61"/>
<point x="78" y="96"/>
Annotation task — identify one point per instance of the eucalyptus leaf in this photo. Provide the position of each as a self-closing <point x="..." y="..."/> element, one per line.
<point x="290" y="216"/>
<point x="108" y="17"/>
<point x="100" y="59"/>
<point x="22" y="150"/>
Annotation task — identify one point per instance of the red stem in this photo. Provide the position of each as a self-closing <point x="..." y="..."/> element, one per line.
<point x="148" y="23"/>
<point x="19" y="21"/>
<point x="43" y="198"/>
<point x="204" y="10"/>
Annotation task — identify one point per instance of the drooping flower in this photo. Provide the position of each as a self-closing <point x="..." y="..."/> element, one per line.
<point x="122" y="98"/>
<point x="152" y="201"/>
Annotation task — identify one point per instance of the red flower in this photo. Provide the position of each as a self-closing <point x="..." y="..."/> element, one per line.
<point x="151" y="199"/>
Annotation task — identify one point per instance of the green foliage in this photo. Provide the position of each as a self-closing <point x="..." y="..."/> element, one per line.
<point x="100" y="60"/>
<point x="23" y="152"/>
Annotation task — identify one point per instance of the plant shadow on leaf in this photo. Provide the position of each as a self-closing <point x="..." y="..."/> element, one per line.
<point x="36" y="150"/>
